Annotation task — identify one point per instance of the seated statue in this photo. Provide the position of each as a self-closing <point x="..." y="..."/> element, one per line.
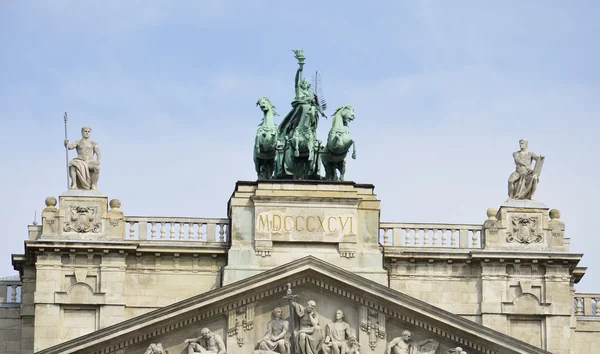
<point x="83" y="169"/>
<point x="207" y="343"/>
<point x="403" y="345"/>
<point x="523" y="182"/>
<point x="155" y="349"/>
<point x="338" y="335"/>
<point x="309" y="336"/>
<point x="274" y="340"/>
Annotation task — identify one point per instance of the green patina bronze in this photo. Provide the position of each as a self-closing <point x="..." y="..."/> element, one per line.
<point x="338" y="144"/>
<point x="293" y="150"/>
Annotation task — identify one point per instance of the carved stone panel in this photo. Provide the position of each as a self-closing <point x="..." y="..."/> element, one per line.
<point x="240" y="320"/>
<point x="82" y="219"/>
<point x="373" y="323"/>
<point x="524" y="229"/>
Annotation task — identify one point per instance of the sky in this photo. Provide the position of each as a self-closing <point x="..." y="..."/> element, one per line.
<point x="442" y="92"/>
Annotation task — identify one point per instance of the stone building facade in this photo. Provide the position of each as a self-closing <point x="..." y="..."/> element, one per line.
<point x="93" y="280"/>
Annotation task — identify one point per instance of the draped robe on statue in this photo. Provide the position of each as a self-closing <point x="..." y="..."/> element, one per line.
<point x="309" y="336"/>
<point x="304" y="104"/>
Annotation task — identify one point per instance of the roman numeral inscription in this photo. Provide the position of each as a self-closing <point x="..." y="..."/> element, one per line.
<point x="298" y="227"/>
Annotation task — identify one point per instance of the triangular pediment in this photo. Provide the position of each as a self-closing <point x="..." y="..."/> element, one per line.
<point x="239" y="313"/>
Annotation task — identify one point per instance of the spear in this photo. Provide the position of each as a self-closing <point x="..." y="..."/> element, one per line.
<point x="290" y="299"/>
<point x="66" y="151"/>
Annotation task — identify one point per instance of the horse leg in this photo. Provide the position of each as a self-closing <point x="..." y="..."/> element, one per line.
<point x="342" y="168"/>
<point x="353" y="150"/>
<point x="296" y="142"/>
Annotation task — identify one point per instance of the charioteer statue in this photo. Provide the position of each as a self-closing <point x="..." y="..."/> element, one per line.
<point x="299" y="153"/>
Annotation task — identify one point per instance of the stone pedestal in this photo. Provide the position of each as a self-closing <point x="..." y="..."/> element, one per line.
<point x="82" y="215"/>
<point x="524" y="226"/>
<point x="275" y="222"/>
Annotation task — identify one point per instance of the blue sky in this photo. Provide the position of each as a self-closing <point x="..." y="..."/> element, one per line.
<point x="442" y="92"/>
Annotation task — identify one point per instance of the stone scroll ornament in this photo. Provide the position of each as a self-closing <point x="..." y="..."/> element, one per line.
<point x="83" y="219"/>
<point x="240" y="320"/>
<point x="373" y="323"/>
<point x="295" y="151"/>
<point x="524" y="230"/>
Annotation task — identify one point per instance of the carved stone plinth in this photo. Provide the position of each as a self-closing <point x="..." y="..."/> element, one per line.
<point x="524" y="225"/>
<point x="274" y="222"/>
<point x="82" y="215"/>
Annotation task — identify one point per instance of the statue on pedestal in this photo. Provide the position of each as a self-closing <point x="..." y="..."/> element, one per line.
<point x="403" y="345"/>
<point x="207" y="343"/>
<point x="84" y="170"/>
<point x="339" y="336"/>
<point x="265" y="143"/>
<point x="298" y="130"/>
<point x="523" y="182"/>
<point x="274" y="340"/>
<point x="309" y="336"/>
<point x="338" y="144"/>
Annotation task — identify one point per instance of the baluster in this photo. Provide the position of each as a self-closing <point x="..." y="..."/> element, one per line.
<point x="171" y="230"/>
<point x="222" y="232"/>
<point x="181" y="231"/>
<point x="153" y="230"/>
<point x="132" y="230"/>
<point x="385" y="236"/>
<point x="453" y="238"/>
<point x="425" y="237"/>
<point x="579" y="306"/>
<point x="444" y="238"/>
<point x="191" y="231"/>
<point x="435" y="237"/>
<point x="596" y="307"/>
<point x="162" y="230"/>
<point x="407" y="238"/>
<point x="416" y="237"/>
<point x="475" y="238"/>
<point x="13" y="293"/>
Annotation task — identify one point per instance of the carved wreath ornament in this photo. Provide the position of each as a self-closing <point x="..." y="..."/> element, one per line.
<point x="524" y="230"/>
<point x="82" y="219"/>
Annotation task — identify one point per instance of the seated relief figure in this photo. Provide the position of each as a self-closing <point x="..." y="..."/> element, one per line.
<point x="309" y="336"/>
<point x="340" y="338"/>
<point x="274" y="340"/>
<point x="207" y="343"/>
<point x="523" y="182"/>
<point x="83" y="169"/>
<point x="403" y="345"/>
<point x="155" y="349"/>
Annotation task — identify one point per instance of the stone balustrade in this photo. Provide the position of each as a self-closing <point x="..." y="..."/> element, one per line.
<point x="585" y="304"/>
<point x="10" y="291"/>
<point x="431" y="235"/>
<point x="176" y="229"/>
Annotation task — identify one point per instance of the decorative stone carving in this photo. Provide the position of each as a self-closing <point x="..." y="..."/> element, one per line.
<point x="523" y="182"/>
<point x="241" y="320"/>
<point x="309" y="336"/>
<point x="84" y="170"/>
<point x="457" y="350"/>
<point x="524" y="230"/>
<point x="207" y="343"/>
<point x="403" y="345"/>
<point x="373" y="323"/>
<point x="156" y="349"/>
<point x="339" y="336"/>
<point x="83" y="219"/>
<point x="275" y="336"/>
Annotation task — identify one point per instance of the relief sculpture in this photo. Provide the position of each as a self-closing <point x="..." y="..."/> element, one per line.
<point x="156" y="349"/>
<point x="524" y="230"/>
<point x="403" y="345"/>
<point x="207" y="343"/>
<point x="309" y="336"/>
<point x="340" y="338"/>
<point x="82" y="219"/>
<point x="275" y="340"/>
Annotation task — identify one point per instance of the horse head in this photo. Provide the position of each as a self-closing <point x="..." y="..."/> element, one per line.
<point x="265" y="105"/>
<point x="346" y="113"/>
